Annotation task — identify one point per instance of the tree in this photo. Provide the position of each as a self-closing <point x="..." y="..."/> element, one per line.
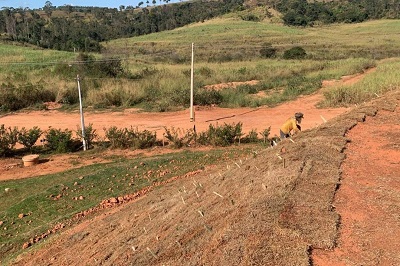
<point x="48" y="8"/>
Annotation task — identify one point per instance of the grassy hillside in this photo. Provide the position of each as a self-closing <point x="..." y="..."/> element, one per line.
<point x="231" y="35"/>
<point x="157" y="66"/>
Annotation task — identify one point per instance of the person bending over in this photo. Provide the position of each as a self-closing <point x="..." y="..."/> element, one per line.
<point x="291" y="126"/>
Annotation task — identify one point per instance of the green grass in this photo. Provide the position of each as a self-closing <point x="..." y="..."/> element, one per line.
<point x="384" y="79"/>
<point x="17" y="58"/>
<point x="372" y="39"/>
<point x="227" y="49"/>
<point x="35" y="197"/>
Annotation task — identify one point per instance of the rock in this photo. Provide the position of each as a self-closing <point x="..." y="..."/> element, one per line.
<point x="21" y="215"/>
<point x="114" y="200"/>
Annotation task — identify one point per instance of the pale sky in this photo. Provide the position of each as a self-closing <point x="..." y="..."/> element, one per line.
<point x="34" y="4"/>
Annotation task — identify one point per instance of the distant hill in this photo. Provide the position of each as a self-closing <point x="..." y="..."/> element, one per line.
<point x="82" y="28"/>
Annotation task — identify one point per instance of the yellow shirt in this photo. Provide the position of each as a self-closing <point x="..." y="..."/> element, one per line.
<point x="290" y="125"/>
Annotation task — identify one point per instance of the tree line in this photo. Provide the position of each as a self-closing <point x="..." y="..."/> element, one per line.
<point x="307" y="13"/>
<point x="83" y="28"/>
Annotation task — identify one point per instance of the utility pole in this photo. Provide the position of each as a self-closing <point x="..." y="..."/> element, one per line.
<point x="81" y="112"/>
<point x="191" y="87"/>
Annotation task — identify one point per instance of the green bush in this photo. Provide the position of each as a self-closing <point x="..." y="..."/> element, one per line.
<point x="207" y="97"/>
<point x="130" y="138"/>
<point x="8" y="139"/>
<point x="59" y="140"/>
<point x="68" y="95"/>
<point x="179" y="137"/>
<point x="145" y="139"/>
<point x="267" y="51"/>
<point x="28" y="138"/>
<point x="14" y="98"/>
<point x="118" y="137"/>
<point x="221" y="135"/>
<point x="250" y="17"/>
<point x="251" y="137"/>
<point x="295" y="53"/>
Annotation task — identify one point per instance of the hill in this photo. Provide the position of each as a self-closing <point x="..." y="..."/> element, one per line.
<point x="82" y="28"/>
<point x="279" y="207"/>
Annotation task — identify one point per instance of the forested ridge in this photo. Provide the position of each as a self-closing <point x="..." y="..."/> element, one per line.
<point x="84" y="28"/>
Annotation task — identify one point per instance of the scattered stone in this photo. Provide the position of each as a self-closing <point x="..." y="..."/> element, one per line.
<point x="81" y="197"/>
<point x="81" y="177"/>
<point x="7" y="189"/>
<point x="26" y="245"/>
<point x="1" y="223"/>
<point x="114" y="200"/>
<point x="21" y="215"/>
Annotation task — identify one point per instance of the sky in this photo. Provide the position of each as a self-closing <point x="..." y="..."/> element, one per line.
<point x="34" y="4"/>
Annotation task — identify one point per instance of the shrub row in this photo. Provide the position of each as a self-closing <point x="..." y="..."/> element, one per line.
<point x="61" y="141"/>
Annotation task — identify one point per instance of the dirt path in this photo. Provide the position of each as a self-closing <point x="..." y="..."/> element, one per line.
<point x="252" y="118"/>
<point x="369" y="196"/>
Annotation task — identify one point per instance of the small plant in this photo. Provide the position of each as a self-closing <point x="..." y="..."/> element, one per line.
<point x="90" y="135"/>
<point x="179" y="138"/>
<point x="59" y="140"/>
<point x="28" y="138"/>
<point x="265" y="133"/>
<point x="8" y="139"/>
<point x="252" y="137"/>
